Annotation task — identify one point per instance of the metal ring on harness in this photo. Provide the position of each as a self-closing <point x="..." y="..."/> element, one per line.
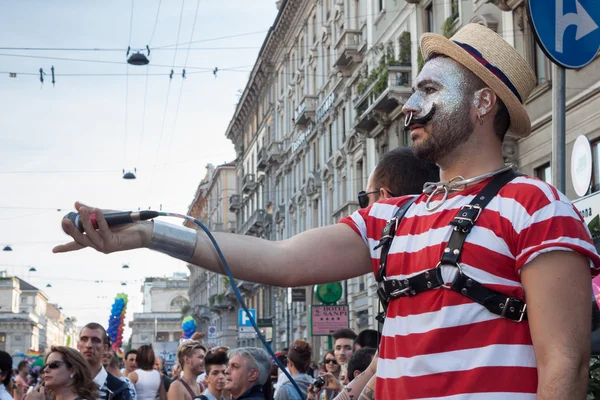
<point x="439" y="266"/>
<point x="432" y="195"/>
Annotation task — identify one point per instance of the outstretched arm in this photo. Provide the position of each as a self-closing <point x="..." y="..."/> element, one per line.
<point x="326" y="254"/>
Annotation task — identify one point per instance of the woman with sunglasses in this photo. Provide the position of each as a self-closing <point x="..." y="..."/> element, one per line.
<point x="331" y="367"/>
<point x="67" y="375"/>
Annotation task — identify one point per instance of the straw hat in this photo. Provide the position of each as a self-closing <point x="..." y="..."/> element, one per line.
<point x="495" y="62"/>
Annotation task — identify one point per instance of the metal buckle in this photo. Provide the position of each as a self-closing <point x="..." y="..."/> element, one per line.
<point x="399" y="292"/>
<point x="470" y="207"/>
<point x="506" y="304"/>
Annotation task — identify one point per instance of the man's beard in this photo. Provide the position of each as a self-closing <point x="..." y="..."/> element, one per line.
<point x="448" y="131"/>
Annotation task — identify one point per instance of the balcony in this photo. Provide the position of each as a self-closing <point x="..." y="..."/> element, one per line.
<point x="248" y="183"/>
<point x="306" y="110"/>
<point x="202" y="312"/>
<point x="346" y="209"/>
<point x="348" y="48"/>
<point x="235" y="202"/>
<point x="254" y="224"/>
<point x="388" y="87"/>
<point x="275" y="152"/>
<point x="262" y="159"/>
<point x="219" y="303"/>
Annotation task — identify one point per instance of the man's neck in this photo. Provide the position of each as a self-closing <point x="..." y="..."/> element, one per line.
<point x="113" y="371"/>
<point x="189" y="377"/>
<point x="217" y="393"/>
<point x="470" y="163"/>
<point x="23" y="374"/>
<point x="95" y="368"/>
<point x="244" y="390"/>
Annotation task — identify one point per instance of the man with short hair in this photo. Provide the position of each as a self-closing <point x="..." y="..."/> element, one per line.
<point x="398" y="173"/>
<point x="367" y="338"/>
<point x="360" y="361"/>
<point x="343" y="345"/>
<point x="21" y="385"/>
<point x="528" y="248"/>
<point x="110" y="362"/>
<point x="130" y="364"/>
<point x="247" y="371"/>
<point x="92" y="345"/>
<point x="190" y="355"/>
<point x="215" y="363"/>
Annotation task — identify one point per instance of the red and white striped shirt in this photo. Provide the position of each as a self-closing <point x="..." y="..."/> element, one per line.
<point x="440" y="344"/>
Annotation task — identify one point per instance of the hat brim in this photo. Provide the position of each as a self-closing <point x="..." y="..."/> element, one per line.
<point x="520" y="124"/>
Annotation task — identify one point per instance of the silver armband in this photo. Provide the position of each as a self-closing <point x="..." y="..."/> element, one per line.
<point x="174" y="240"/>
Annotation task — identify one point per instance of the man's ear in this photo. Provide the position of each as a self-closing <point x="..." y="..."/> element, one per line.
<point x="253" y="376"/>
<point x="385" y="193"/>
<point x="356" y="373"/>
<point x="484" y="101"/>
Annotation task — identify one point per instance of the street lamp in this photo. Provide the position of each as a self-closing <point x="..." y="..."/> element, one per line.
<point x="48" y="285"/>
<point x="32" y="269"/>
<point x="7" y="248"/>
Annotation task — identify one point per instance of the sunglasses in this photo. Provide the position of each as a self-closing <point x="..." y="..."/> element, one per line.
<point x="334" y="362"/>
<point x="54" y="365"/>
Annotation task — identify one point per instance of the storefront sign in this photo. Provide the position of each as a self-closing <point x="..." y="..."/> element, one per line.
<point x="325" y="107"/>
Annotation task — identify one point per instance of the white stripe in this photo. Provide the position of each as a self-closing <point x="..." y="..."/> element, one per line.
<point x="479" y="236"/>
<point x="487" y="278"/>
<point x="383" y="211"/>
<point x="557" y="246"/>
<point x="446" y="317"/>
<point x="360" y="224"/>
<point x="555" y="209"/>
<point x="543" y="186"/>
<point x="485" y="396"/>
<point x="498" y="355"/>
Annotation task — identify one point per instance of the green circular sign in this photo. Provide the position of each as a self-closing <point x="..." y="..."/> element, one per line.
<point x="329" y="293"/>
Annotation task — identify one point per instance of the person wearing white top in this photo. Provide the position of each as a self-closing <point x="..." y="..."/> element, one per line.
<point x="5" y="375"/>
<point x="147" y="380"/>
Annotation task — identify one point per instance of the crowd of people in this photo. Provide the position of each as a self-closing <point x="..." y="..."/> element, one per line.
<point x="95" y="372"/>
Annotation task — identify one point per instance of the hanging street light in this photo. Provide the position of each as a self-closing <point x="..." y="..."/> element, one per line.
<point x="7" y="248"/>
<point x="32" y="269"/>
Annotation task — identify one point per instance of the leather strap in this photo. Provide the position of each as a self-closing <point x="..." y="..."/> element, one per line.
<point x="497" y="303"/>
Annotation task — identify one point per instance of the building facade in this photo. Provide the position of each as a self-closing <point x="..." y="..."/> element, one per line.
<point x="165" y="303"/>
<point x="211" y="300"/>
<point x="28" y="321"/>
<point x="322" y="105"/>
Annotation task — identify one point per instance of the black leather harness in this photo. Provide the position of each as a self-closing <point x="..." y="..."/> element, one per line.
<point x="496" y="302"/>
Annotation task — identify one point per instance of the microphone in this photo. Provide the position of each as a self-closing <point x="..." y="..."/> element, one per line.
<point x="113" y="218"/>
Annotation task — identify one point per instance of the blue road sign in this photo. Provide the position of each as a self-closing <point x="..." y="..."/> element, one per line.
<point x="567" y="30"/>
<point x="243" y="319"/>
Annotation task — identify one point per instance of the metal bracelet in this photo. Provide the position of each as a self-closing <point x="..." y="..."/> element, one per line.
<point x="176" y="241"/>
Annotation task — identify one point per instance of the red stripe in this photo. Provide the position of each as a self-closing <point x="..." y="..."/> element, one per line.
<point x="478" y="380"/>
<point x="472" y="336"/>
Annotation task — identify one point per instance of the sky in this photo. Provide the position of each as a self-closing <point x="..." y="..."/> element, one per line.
<point x="71" y="140"/>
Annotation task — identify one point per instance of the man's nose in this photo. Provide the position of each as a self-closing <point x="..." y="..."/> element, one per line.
<point x="411" y="106"/>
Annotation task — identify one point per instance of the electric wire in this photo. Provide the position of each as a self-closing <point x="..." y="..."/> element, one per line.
<point x="232" y="283"/>
<point x="146" y="88"/>
<point x="182" y="82"/>
<point x="127" y="90"/>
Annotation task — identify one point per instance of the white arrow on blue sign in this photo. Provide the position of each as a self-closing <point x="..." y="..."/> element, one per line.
<point x="568" y="30"/>
<point x="243" y="319"/>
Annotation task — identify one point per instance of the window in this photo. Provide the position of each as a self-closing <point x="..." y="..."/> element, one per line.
<point x="344" y="125"/>
<point x="314" y="81"/>
<point x="380" y="5"/>
<point x="596" y="166"/>
<point x="539" y="63"/>
<point x="179" y="302"/>
<point x="314" y="28"/>
<point x="429" y="20"/>
<point x="544" y="173"/>
<point x="454" y="10"/>
<point x="330" y="140"/>
<point x="362" y="319"/>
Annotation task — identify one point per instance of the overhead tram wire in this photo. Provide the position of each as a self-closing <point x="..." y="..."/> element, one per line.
<point x="146" y="87"/>
<point x="162" y="125"/>
<point x="182" y="82"/>
<point x="127" y="88"/>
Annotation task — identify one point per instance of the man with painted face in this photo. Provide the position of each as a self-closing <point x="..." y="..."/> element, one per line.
<point x="529" y="244"/>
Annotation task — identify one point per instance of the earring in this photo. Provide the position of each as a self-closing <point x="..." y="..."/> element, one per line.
<point x="71" y="376"/>
<point x="480" y="118"/>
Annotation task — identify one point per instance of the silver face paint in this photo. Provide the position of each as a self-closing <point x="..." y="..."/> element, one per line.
<point x="447" y="84"/>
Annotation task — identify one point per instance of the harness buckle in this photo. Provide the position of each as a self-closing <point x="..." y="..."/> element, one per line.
<point x="508" y="304"/>
<point x="467" y="216"/>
